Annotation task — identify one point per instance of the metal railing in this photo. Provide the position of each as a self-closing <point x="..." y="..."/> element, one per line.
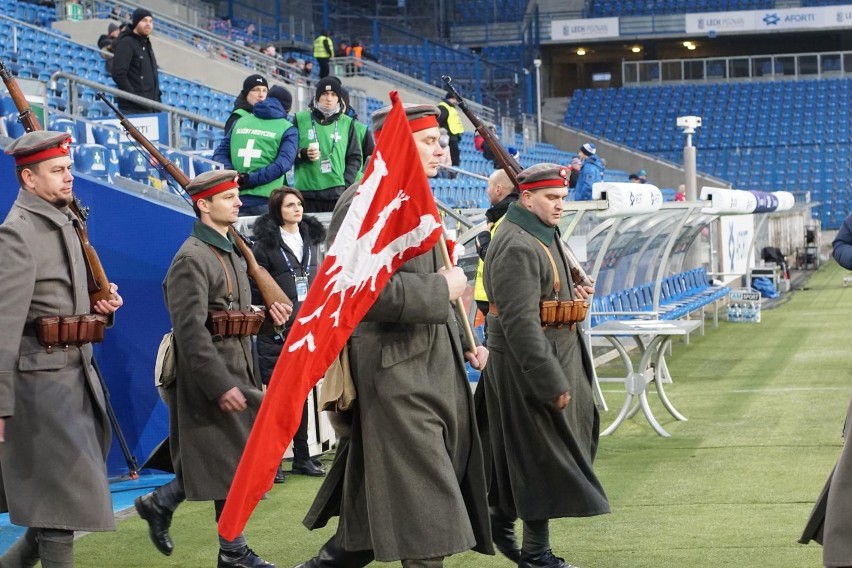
<point x="755" y="67"/>
<point x="175" y="114"/>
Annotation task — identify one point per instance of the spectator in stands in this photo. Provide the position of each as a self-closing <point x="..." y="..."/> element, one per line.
<point x="574" y="171"/>
<point x="106" y="43"/>
<point x="449" y="118"/>
<point x="308" y="72"/>
<point x="323" y="52"/>
<point x="329" y="155"/>
<point x="590" y="173"/>
<point x="643" y="176"/>
<point x="342" y="48"/>
<point x="832" y="517"/>
<point x="634" y="178"/>
<point x="134" y="67"/>
<point x="262" y="148"/>
<point x="489" y="154"/>
<point x="364" y="136"/>
<point x="680" y="194"/>
<point x="255" y="89"/>
<point x="542" y="421"/>
<point x="479" y="140"/>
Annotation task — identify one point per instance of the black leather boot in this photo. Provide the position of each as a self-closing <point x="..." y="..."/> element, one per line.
<point x="159" y="520"/>
<point x="503" y="534"/>
<point x="542" y="560"/>
<point x="332" y="555"/>
<point x="245" y="558"/>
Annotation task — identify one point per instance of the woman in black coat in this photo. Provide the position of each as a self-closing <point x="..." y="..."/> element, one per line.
<point x="287" y="245"/>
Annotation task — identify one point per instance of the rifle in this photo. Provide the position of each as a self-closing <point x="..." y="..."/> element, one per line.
<point x="98" y="282"/>
<point x="269" y="289"/>
<point x="512" y="168"/>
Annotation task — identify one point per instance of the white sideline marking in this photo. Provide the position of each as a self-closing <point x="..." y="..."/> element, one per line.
<point x="792" y="389"/>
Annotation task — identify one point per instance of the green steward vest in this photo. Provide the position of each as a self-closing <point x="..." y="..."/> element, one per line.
<point x="254" y="144"/>
<point x="361" y="132"/>
<point x="309" y="175"/>
<point x="454" y="123"/>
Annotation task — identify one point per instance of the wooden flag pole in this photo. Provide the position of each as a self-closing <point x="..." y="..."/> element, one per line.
<point x="465" y="323"/>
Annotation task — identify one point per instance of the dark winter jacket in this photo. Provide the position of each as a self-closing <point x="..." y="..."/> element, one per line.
<point x="590" y="174"/>
<point x="842" y="244"/>
<point x="134" y="69"/>
<point x="268" y="109"/>
<point x="240" y="103"/>
<point x="269" y="250"/>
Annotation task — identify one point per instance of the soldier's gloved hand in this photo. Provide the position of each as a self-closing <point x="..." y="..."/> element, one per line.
<point x="242" y="180"/>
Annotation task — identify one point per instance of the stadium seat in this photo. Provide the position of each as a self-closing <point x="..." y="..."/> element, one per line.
<point x="91" y="159"/>
<point x="133" y="164"/>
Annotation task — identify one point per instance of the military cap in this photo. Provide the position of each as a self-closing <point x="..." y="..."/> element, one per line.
<point x="210" y="183"/>
<point x="420" y="117"/>
<point x="38" y="146"/>
<point x="541" y="176"/>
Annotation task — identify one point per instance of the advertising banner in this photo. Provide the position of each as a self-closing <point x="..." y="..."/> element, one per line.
<point x="590" y="28"/>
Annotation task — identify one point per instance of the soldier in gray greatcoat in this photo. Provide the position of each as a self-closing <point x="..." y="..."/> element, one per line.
<point x="831" y="520"/>
<point x="217" y="392"/>
<point x="409" y="483"/>
<point x="54" y="429"/>
<point x="543" y="422"/>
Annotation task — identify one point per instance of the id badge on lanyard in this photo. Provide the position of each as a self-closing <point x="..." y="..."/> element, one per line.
<point x="301" y="288"/>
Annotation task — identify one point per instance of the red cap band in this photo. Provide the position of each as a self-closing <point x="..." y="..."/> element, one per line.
<point x="423" y="123"/>
<point x="219" y="188"/>
<point x="62" y="149"/>
<point x="555" y="182"/>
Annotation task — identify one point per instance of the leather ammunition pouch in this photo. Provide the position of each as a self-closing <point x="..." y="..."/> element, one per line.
<point x="64" y="331"/>
<point x="234" y="323"/>
<point x="556" y="313"/>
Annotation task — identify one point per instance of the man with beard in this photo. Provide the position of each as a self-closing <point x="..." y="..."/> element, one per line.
<point x="329" y="156"/>
<point x="54" y="428"/>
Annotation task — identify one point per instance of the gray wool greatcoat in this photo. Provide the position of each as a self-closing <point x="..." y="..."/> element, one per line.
<point x="542" y="456"/>
<point x="57" y="430"/>
<point x="830" y="522"/>
<point x="409" y="482"/>
<point x="207" y="443"/>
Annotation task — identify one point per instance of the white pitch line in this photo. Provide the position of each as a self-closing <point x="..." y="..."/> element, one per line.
<point x="792" y="389"/>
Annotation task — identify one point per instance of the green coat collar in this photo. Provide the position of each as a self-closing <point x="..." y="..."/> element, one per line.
<point x="212" y="237"/>
<point x="525" y="219"/>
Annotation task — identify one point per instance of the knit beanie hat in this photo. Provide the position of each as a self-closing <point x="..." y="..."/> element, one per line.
<point x="253" y="81"/>
<point x="283" y="96"/>
<point x="588" y="149"/>
<point x="138" y="15"/>
<point x="330" y="83"/>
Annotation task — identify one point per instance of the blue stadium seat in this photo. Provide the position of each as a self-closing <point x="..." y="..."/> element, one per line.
<point x="133" y="164"/>
<point x="91" y="159"/>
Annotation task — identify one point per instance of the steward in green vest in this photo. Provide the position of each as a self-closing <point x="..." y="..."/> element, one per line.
<point x="329" y="156"/>
<point x="255" y="89"/>
<point x="262" y="147"/>
<point x="449" y="118"/>
<point x="361" y="131"/>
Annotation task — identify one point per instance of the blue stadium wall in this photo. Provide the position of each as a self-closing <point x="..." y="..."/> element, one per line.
<point x="136" y="240"/>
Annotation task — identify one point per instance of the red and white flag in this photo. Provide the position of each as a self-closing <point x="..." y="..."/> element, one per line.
<point x="392" y="218"/>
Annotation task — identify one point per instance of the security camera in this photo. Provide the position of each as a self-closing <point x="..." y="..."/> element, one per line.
<point x="537" y="62"/>
<point x="689" y="123"/>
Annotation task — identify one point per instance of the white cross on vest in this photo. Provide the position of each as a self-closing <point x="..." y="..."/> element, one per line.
<point x="248" y="153"/>
<point x="336" y="136"/>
